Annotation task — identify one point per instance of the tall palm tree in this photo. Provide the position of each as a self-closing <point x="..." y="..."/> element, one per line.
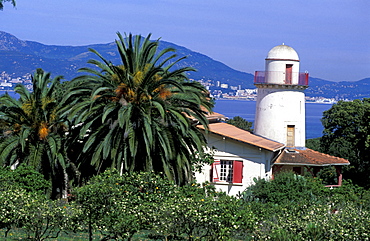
<point x="136" y="115"/>
<point x="33" y="133"/>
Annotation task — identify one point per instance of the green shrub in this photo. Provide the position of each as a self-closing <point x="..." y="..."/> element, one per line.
<point x="224" y="218"/>
<point x="286" y="187"/>
<point x="121" y="205"/>
<point x="328" y="175"/>
<point x="40" y="218"/>
<point x="23" y="177"/>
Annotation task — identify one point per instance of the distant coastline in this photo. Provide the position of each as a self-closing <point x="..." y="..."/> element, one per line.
<point x="318" y="101"/>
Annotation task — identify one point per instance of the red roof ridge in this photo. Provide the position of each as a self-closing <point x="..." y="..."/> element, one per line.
<point x="324" y="154"/>
<point x="309" y="157"/>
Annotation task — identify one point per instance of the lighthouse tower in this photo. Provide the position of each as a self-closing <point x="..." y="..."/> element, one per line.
<point x="280" y="107"/>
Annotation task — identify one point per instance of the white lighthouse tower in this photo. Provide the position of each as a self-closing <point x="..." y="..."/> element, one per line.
<point x="280" y="107"/>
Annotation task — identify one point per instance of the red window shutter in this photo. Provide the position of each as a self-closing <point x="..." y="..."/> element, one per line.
<point x="215" y="176"/>
<point x="237" y="171"/>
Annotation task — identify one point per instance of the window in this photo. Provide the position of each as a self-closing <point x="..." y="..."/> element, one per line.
<point x="290" y="137"/>
<point x="227" y="171"/>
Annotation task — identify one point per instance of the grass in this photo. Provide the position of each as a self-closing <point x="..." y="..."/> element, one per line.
<point x="20" y="234"/>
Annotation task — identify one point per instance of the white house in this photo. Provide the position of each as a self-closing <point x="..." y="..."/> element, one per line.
<point x="239" y="157"/>
<point x="278" y="142"/>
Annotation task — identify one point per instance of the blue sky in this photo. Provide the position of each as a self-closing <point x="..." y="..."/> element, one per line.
<point x="332" y="37"/>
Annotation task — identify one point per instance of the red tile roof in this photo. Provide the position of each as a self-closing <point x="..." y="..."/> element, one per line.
<point x="308" y="157"/>
<point x="232" y="132"/>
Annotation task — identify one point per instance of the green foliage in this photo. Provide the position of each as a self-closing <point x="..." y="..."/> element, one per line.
<point x="287" y="187"/>
<point x="38" y="216"/>
<point x="146" y="201"/>
<point x="314" y="144"/>
<point x="126" y="202"/>
<point x="333" y="214"/>
<point x="204" y="217"/>
<point x="141" y="206"/>
<point x="199" y="159"/>
<point x="347" y="135"/>
<point x="311" y="222"/>
<point x="241" y="123"/>
<point x="23" y="177"/>
<point x="328" y="175"/>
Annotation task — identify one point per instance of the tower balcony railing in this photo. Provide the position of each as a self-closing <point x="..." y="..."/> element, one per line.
<point x="281" y="78"/>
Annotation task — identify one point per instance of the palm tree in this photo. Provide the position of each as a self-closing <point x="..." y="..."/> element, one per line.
<point x="33" y="133"/>
<point x="2" y="1"/>
<point x="138" y="112"/>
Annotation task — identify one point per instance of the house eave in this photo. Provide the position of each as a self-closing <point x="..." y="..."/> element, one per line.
<point x="308" y="164"/>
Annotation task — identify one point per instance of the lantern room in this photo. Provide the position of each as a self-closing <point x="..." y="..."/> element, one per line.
<point x="281" y="68"/>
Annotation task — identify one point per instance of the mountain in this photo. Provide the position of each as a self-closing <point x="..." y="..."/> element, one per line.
<point x="19" y="57"/>
<point x="339" y="90"/>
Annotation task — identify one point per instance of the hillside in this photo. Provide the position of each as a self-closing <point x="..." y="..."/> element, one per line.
<point x="339" y="90"/>
<point x="19" y="57"/>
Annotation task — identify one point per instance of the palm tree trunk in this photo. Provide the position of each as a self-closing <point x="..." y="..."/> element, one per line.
<point x="65" y="186"/>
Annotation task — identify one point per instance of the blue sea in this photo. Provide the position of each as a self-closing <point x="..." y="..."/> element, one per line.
<point x="246" y="109"/>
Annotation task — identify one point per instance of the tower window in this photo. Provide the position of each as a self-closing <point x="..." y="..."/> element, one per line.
<point x="290" y="137"/>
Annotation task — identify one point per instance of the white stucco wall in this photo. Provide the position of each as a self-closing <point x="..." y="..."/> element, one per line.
<point x="275" y="71"/>
<point x="256" y="163"/>
<point x="281" y="104"/>
<point x="277" y="108"/>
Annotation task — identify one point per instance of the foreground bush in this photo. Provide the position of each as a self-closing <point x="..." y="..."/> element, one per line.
<point x="292" y="207"/>
<point x="311" y="222"/>
<point x="148" y="206"/>
<point x="205" y="219"/>
<point x="286" y="187"/>
<point x="121" y="205"/>
<point x="40" y="218"/>
<point x="24" y="177"/>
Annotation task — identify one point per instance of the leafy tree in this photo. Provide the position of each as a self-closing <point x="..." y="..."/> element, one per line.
<point x="241" y="123"/>
<point x="136" y="115"/>
<point x="3" y="1"/>
<point x="313" y="144"/>
<point x="347" y="135"/>
<point x="33" y="132"/>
